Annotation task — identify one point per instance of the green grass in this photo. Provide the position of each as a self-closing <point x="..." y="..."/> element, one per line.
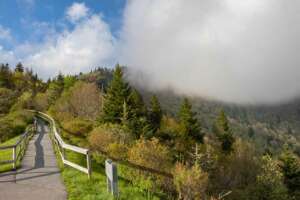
<point x="79" y="187"/>
<point x="7" y="154"/>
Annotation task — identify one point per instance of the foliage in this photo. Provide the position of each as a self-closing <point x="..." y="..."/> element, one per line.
<point x="80" y="101"/>
<point x="41" y="102"/>
<point x="290" y="167"/>
<point x="85" y="100"/>
<point x="69" y="81"/>
<point x="155" y="113"/>
<point x="110" y="139"/>
<point x="25" y="101"/>
<point x="235" y="172"/>
<point x="78" y="127"/>
<point x="153" y="155"/>
<point x="5" y="76"/>
<point x="224" y="133"/>
<point x="269" y="183"/>
<point x="14" y="124"/>
<point x="117" y="93"/>
<point x="19" y="68"/>
<point x="189" y="125"/>
<point x="55" y="89"/>
<point x="150" y="153"/>
<point x="7" y="99"/>
<point x="136" y="119"/>
<point x="191" y="183"/>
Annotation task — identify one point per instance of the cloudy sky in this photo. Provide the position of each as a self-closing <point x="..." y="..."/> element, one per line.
<point x="230" y="50"/>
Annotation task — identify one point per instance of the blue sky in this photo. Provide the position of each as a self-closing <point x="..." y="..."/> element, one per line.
<point x="19" y="16"/>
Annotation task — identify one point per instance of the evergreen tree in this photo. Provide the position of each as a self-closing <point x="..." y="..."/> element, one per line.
<point x="138" y="122"/>
<point x="136" y="104"/>
<point x="224" y="133"/>
<point x="290" y="167"/>
<point x="19" y="68"/>
<point x="155" y="113"/>
<point x="189" y="125"/>
<point x="117" y="93"/>
<point x="5" y="76"/>
<point x="60" y="81"/>
<point x="55" y="88"/>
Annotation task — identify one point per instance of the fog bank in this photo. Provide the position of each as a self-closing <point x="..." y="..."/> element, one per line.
<point x="230" y="50"/>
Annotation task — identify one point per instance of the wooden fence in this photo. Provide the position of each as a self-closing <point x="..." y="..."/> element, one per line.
<point x="18" y="149"/>
<point x="62" y="146"/>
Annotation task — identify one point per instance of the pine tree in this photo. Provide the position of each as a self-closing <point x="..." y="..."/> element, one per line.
<point x="155" y="113"/>
<point x="5" y="76"/>
<point x="138" y="122"/>
<point x="19" y="68"/>
<point x="136" y="104"/>
<point x="60" y="81"/>
<point x="224" y="133"/>
<point x="189" y="125"/>
<point x="118" y="92"/>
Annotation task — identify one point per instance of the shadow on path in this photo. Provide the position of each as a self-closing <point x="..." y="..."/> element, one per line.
<point x="39" y="157"/>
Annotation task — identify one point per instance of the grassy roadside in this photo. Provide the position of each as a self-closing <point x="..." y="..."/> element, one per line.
<point x="79" y="187"/>
<point x="7" y="154"/>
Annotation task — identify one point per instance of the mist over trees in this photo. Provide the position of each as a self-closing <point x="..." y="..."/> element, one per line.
<point x="190" y="153"/>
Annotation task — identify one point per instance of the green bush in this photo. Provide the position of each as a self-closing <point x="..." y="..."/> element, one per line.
<point x="25" y="101"/>
<point x="14" y="124"/>
<point x="6" y="129"/>
<point x="78" y="127"/>
<point x="7" y="98"/>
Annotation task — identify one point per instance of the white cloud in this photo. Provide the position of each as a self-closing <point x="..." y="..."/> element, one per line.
<point x="232" y="50"/>
<point x="88" y="45"/>
<point x="77" y="11"/>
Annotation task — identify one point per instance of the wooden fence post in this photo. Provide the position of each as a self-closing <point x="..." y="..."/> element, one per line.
<point x="14" y="157"/>
<point x="88" y="160"/>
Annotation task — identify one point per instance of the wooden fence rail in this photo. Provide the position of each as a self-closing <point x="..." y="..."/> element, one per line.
<point x="62" y="146"/>
<point x="18" y="149"/>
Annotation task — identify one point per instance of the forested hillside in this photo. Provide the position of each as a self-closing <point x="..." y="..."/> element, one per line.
<point x="186" y="147"/>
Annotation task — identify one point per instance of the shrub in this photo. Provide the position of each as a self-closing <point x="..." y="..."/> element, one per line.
<point x="153" y="155"/>
<point x="78" y="127"/>
<point x="40" y="102"/>
<point x="269" y="183"/>
<point x="25" y="101"/>
<point x="111" y="139"/>
<point x="6" y="129"/>
<point x="150" y="153"/>
<point x="14" y="124"/>
<point x="191" y="183"/>
<point x="7" y="98"/>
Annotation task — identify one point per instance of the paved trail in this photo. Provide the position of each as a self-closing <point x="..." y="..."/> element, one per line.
<point x="39" y="176"/>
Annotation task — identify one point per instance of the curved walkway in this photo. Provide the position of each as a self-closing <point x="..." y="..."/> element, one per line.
<point x="39" y="176"/>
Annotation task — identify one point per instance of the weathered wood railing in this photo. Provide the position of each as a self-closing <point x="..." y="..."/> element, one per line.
<point x="18" y="149"/>
<point x="62" y="146"/>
